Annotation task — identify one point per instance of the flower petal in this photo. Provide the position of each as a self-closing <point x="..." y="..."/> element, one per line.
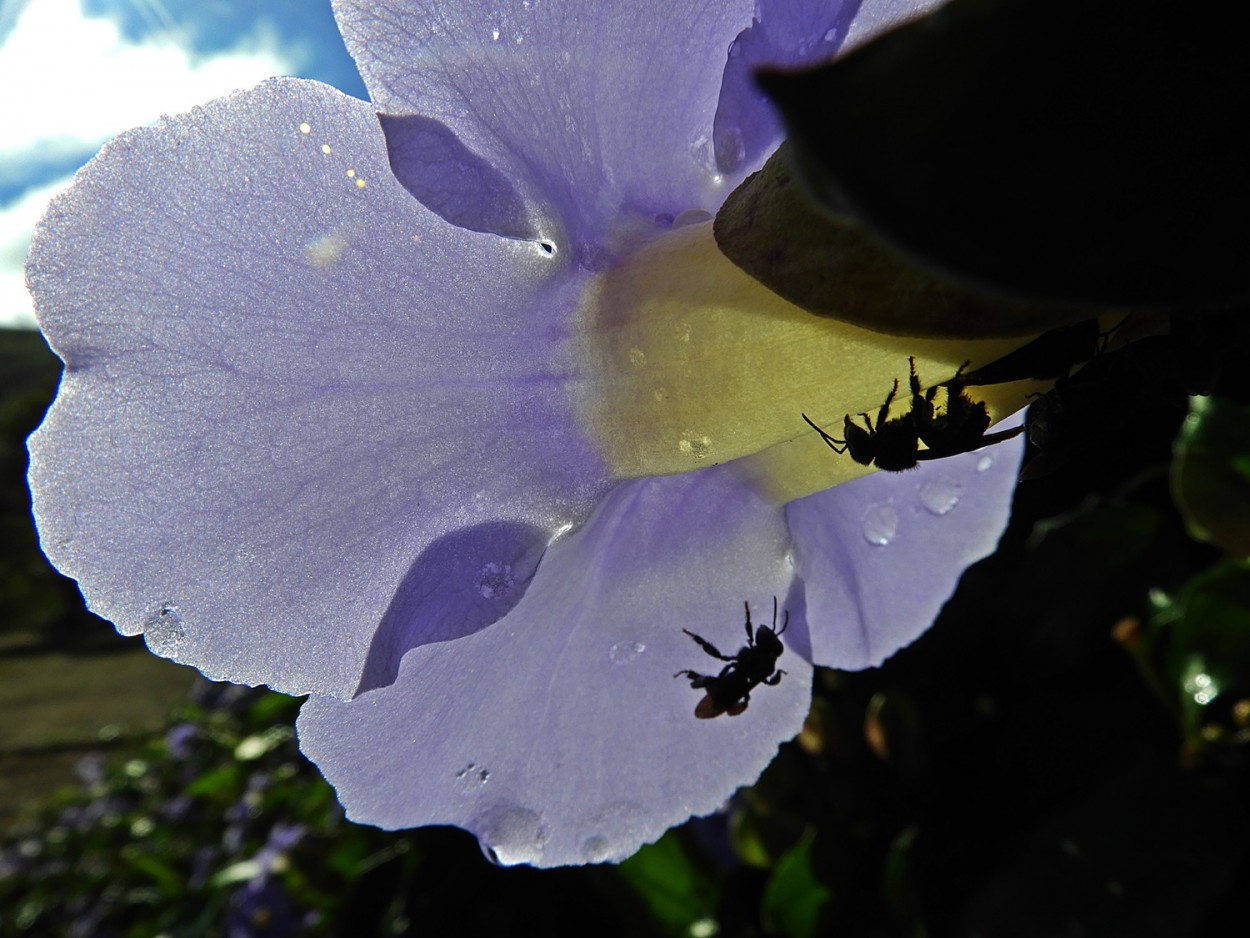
<point x="881" y="555"/>
<point x="876" y="16"/>
<point x="285" y="381"/>
<point x="559" y="735"/>
<point x="596" y="111"/>
<point x="789" y="34"/>
<point x="785" y="33"/>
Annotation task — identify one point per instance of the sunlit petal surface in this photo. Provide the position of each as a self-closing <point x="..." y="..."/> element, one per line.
<point x="880" y="556"/>
<point x="597" y="112"/>
<point x="285" y="380"/>
<point x="560" y="734"/>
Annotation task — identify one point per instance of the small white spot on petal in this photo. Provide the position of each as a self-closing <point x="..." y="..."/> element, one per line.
<point x="324" y="252"/>
<point x="325" y="148"/>
<point x="305" y="128"/>
<point x="984" y="463"/>
<point x="696" y="446"/>
<point x="625" y="652"/>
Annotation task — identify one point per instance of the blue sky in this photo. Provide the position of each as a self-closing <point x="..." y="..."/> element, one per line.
<point x="77" y="72"/>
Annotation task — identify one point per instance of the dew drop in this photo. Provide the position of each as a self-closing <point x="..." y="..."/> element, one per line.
<point x="596" y="849"/>
<point x="164" y="631"/>
<point x="474" y="773"/>
<point x="940" y="496"/>
<point x="984" y="463"/>
<point x="510" y="834"/>
<point x="696" y="446"/>
<point x="692" y="216"/>
<point x="625" y="652"/>
<point x="880" y="524"/>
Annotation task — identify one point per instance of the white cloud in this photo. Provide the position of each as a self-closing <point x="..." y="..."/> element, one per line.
<point x="72" y="83"/>
<point x="17" y="220"/>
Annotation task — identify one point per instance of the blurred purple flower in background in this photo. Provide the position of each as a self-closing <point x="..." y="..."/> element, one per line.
<point x="345" y="388"/>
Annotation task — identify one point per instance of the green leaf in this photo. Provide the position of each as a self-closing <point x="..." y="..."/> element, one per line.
<point x="795" y="896"/>
<point x="1206" y="628"/>
<point x="1210" y="481"/>
<point x="677" y="890"/>
<point x="1100" y="537"/>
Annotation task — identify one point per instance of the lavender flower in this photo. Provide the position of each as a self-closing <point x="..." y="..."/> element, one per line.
<point x="452" y="416"/>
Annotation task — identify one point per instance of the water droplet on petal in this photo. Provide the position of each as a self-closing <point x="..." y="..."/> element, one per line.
<point x="510" y="834"/>
<point x="692" y="216"/>
<point x="625" y="652"/>
<point x="940" y="496"/>
<point x="880" y="524"/>
<point x="474" y="773"/>
<point x="984" y="463"/>
<point x="164" y="631"/>
<point x="596" y="849"/>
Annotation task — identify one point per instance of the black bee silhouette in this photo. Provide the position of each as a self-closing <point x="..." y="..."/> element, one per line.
<point x="894" y="443"/>
<point x="754" y="664"/>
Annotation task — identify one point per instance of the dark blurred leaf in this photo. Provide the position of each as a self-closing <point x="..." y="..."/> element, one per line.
<point x="795" y="896"/>
<point x="831" y="265"/>
<point x="672" y="884"/>
<point x="897" y="885"/>
<point x="1100" y="537"/>
<point x="1051" y="148"/>
<point x="1206" y="631"/>
<point x="1210" y="480"/>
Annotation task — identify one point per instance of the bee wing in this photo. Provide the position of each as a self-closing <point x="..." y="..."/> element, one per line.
<point x="707" y="708"/>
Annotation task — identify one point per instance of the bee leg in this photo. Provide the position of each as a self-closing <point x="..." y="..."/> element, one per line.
<point x="774" y="679"/>
<point x="707" y="646"/>
<point x="838" y="446"/>
<point x="696" y="679"/>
